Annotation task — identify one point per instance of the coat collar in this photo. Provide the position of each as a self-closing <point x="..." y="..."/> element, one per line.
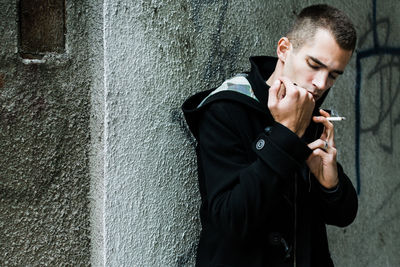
<point x="261" y="69"/>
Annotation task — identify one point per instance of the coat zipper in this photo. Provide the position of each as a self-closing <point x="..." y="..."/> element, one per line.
<point x="309" y="172"/>
<point x="295" y="208"/>
<point x="295" y="222"/>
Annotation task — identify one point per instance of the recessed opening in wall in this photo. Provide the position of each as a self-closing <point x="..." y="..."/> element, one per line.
<point x="41" y="27"/>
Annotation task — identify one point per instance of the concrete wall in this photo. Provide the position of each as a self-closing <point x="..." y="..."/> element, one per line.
<point x="159" y="53"/>
<point x="104" y="146"/>
<point x="44" y="144"/>
<point x="370" y="143"/>
<point x="156" y="55"/>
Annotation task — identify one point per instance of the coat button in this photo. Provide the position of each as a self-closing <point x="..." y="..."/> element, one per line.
<point x="275" y="238"/>
<point x="260" y="144"/>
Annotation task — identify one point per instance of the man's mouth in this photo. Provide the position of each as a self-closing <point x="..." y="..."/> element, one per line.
<point x="315" y="95"/>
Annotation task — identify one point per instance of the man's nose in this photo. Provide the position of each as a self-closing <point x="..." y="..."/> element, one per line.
<point x="320" y="80"/>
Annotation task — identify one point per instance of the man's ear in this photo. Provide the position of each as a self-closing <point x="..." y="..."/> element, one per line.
<point x="283" y="48"/>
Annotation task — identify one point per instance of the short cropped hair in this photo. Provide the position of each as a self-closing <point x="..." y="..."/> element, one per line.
<point x="326" y="17"/>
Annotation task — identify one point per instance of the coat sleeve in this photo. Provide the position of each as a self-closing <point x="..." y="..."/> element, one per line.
<point x="242" y="193"/>
<point x="338" y="207"/>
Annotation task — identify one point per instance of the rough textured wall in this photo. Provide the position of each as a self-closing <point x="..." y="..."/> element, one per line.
<point x="96" y="155"/>
<point x="44" y="142"/>
<point x="125" y="120"/>
<point x="157" y="53"/>
<point x="369" y="94"/>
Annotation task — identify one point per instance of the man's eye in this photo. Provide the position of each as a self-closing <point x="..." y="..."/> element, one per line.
<point x="315" y="67"/>
<point x="332" y="76"/>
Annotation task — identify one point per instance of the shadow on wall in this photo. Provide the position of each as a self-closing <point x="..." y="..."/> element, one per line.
<point x="220" y="64"/>
<point x="220" y="60"/>
<point x="387" y="73"/>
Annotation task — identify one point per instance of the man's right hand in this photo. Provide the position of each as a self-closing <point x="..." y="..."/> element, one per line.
<point x="291" y="105"/>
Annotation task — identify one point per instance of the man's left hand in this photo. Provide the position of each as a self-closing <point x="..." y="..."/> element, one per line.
<point x="322" y="162"/>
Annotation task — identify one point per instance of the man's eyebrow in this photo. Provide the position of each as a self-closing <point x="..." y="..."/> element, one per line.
<point x="323" y="65"/>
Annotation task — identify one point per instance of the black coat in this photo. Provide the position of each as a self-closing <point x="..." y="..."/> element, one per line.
<point x="260" y="204"/>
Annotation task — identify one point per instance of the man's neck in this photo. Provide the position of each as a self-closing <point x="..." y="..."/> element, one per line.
<point x="276" y="74"/>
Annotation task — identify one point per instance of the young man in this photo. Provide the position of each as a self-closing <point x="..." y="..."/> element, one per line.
<point x="268" y="175"/>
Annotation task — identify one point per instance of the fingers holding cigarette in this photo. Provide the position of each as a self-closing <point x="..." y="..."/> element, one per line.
<point x="328" y="132"/>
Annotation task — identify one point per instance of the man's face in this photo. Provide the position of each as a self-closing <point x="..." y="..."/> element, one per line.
<point x="316" y="65"/>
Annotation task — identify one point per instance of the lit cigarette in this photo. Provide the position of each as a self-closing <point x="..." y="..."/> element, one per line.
<point x="336" y="118"/>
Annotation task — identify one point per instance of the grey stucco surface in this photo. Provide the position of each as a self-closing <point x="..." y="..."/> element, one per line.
<point x="97" y="166"/>
<point x="373" y="239"/>
<point x="96" y="151"/>
<point x="44" y="163"/>
<point x="151" y="66"/>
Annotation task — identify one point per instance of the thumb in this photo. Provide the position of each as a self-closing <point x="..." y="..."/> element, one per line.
<point x="289" y="86"/>
<point x="273" y="93"/>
